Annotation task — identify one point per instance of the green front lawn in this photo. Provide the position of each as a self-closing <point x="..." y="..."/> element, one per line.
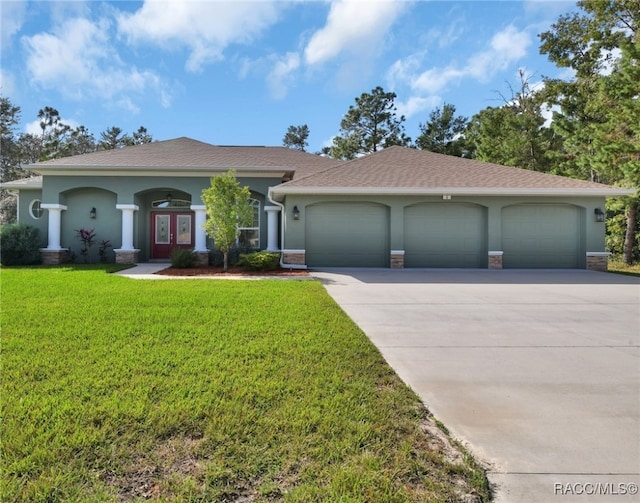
<point x="199" y="390"/>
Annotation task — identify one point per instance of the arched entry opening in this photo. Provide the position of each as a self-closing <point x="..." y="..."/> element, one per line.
<point x="171" y="223"/>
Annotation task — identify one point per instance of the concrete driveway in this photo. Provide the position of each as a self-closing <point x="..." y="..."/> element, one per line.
<point x="538" y="372"/>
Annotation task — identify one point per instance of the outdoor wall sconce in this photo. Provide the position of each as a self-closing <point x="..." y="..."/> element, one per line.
<point x="169" y="197"/>
<point x="296" y="213"/>
<point x="93" y="213"/>
<point x="599" y="215"/>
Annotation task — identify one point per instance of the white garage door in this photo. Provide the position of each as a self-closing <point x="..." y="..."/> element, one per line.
<point x="445" y="235"/>
<point x="347" y="235"/>
<point x="541" y="236"/>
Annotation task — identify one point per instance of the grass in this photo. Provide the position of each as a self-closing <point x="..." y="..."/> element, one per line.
<point x="121" y="390"/>
<point x="618" y="266"/>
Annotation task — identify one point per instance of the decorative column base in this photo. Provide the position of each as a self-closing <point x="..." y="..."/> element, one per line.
<point x="293" y="257"/>
<point x="126" y="256"/>
<point x="397" y="259"/>
<point x="598" y="261"/>
<point x="495" y="259"/>
<point x="202" y="258"/>
<point x="55" y="257"/>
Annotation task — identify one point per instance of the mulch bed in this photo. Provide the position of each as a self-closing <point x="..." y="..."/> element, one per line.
<point x="232" y="271"/>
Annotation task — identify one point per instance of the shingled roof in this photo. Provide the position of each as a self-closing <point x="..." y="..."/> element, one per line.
<point x="395" y="170"/>
<point x="400" y="170"/>
<point x="188" y="153"/>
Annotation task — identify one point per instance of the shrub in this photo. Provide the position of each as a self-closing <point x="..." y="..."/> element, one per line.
<point x="183" y="258"/>
<point x="105" y="244"/>
<point x="259" y="261"/>
<point x="19" y="245"/>
<point x="88" y="238"/>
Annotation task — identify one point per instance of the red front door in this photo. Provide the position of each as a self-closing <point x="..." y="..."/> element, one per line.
<point x="168" y="230"/>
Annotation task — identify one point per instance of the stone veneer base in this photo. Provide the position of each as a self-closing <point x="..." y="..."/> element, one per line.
<point x="202" y="258"/>
<point x="397" y="259"/>
<point x="126" y="256"/>
<point x="55" y="257"/>
<point x="597" y="261"/>
<point x="293" y="257"/>
<point x="495" y="260"/>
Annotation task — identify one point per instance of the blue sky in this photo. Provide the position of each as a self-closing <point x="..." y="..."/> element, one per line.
<point x="239" y="73"/>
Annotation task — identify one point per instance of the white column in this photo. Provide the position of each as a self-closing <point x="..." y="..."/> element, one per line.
<point x="272" y="228"/>
<point x="127" y="225"/>
<point x="55" y="211"/>
<point x="201" y="235"/>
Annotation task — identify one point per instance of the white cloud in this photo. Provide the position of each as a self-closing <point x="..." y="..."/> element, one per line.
<point x="506" y="47"/>
<point x="33" y="128"/>
<point x="12" y="16"/>
<point x="445" y="37"/>
<point x="403" y="70"/>
<point x="417" y="104"/>
<point x="547" y="112"/>
<point x="435" y="79"/>
<point x="510" y="44"/>
<point x="78" y="60"/>
<point x="280" y="76"/>
<point x="353" y="26"/>
<point x="7" y="84"/>
<point x="608" y="60"/>
<point x="205" y="28"/>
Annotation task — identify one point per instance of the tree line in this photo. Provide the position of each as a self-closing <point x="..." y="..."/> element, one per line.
<point x="55" y="140"/>
<point x="594" y="134"/>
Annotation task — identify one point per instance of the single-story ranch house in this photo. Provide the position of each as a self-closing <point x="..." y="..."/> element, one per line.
<point x="396" y="208"/>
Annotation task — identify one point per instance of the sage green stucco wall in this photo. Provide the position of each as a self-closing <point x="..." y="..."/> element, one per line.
<point x="127" y="187"/>
<point x="81" y="193"/>
<point x="107" y="224"/>
<point x="592" y="232"/>
<point x="25" y="198"/>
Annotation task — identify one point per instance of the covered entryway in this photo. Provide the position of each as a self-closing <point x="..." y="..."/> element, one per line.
<point x="541" y="236"/>
<point x="445" y="235"/>
<point x="170" y="230"/>
<point x="344" y="234"/>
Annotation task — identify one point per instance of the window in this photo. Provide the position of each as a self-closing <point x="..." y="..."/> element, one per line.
<point x="184" y="229"/>
<point x="250" y="236"/>
<point x="35" y="209"/>
<point x="171" y="203"/>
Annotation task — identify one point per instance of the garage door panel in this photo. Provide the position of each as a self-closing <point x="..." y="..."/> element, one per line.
<point x="445" y="235"/>
<point x="347" y="235"/>
<point x="541" y="236"/>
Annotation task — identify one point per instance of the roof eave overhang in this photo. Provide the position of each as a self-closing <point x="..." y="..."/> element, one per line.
<point x="16" y="187"/>
<point x="280" y="192"/>
<point x="163" y="171"/>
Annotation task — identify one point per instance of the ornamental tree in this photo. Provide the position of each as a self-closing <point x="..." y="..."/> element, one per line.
<point x="228" y="209"/>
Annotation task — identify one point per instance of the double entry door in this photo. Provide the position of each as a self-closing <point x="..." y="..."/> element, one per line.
<point x="170" y="230"/>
